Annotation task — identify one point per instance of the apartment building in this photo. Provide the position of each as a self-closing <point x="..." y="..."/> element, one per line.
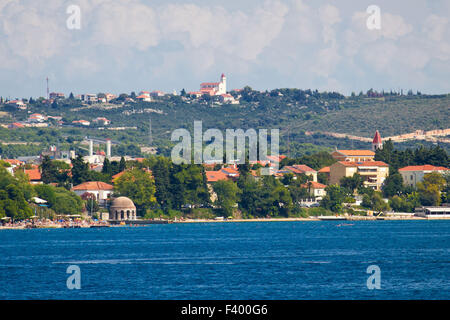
<point x="373" y="172"/>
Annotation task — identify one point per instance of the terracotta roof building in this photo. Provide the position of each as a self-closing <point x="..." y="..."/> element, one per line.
<point x="373" y="173"/>
<point x="413" y="174"/>
<point x="353" y="155"/>
<point x="101" y="190"/>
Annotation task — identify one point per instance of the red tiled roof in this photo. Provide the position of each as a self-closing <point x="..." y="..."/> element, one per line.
<point x="33" y="174"/>
<point x="13" y="161"/>
<point x="276" y="158"/>
<point x="93" y="185"/>
<point x="314" y="185"/>
<point x="214" y="176"/>
<point x="299" y="168"/>
<point x="229" y="171"/>
<point x="117" y="176"/>
<point x="357" y="152"/>
<point x="426" y="167"/>
<point x="364" y="164"/>
<point x="325" y="170"/>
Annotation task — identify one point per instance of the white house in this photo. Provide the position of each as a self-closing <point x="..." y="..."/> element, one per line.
<point x="413" y="174"/>
<point x="101" y="190"/>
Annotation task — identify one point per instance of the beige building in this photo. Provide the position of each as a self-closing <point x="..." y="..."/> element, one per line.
<point x="353" y="155"/>
<point x="413" y="174"/>
<point x="373" y="172"/>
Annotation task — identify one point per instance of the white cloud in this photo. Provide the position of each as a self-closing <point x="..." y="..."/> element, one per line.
<point x="31" y="32"/>
<point x="130" y="24"/>
<point x="435" y="27"/>
<point x="233" y="33"/>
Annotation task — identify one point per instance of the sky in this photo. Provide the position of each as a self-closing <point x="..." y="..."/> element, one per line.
<point x="133" y="45"/>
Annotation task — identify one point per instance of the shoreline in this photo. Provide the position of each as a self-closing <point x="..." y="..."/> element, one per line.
<point x="191" y="221"/>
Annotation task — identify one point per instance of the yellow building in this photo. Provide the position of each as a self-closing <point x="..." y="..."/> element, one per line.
<point x="373" y="173"/>
<point x="353" y="155"/>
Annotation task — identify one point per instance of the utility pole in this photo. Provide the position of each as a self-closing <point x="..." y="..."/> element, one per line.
<point x="150" y="137"/>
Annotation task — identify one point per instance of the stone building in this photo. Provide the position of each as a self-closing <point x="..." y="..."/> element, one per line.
<point x="122" y="209"/>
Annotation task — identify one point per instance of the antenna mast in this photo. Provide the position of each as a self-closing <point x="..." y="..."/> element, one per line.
<point x="48" y="90"/>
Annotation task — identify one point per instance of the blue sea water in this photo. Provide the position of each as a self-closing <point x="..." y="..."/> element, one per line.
<point x="266" y="260"/>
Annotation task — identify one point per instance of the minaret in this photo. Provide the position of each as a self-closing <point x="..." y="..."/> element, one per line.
<point x="91" y="147"/>
<point x="377" y="142"/>
<point x="108" y="148"/>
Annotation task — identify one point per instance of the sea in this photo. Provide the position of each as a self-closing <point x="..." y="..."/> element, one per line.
<point x="336" y="260"/>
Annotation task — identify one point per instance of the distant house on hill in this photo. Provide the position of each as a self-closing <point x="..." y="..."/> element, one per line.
<point x="101" y="121"/>
<point x="56" y="95"/>
<point x="144" y="98"/>
<point x="17" y="103"/>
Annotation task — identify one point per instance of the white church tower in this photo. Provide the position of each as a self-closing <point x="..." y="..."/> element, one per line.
<point x="222" y="85"/>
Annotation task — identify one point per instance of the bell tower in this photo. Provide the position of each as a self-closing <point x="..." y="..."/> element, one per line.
<point x="377" y="142"/>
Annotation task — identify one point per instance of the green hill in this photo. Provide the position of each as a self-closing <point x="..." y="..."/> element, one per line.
<point x="293" y="111"/>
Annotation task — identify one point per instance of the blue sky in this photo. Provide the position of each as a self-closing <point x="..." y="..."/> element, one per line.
<point x="134" y="45"/>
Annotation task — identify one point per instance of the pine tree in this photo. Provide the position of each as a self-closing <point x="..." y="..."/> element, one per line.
<point x="122" y="164"/>
<point x="107" y="169"/>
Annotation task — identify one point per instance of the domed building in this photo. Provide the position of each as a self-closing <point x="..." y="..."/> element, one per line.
<point x="122" y="209"/>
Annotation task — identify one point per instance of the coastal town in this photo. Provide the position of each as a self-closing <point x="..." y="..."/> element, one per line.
<point x="105" y="203"/>
<point x="98" y="184"/>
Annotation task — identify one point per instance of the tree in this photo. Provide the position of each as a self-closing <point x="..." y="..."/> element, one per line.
<point x="375" y="202"/>
<point x="49" y="171"/>
<point x="91" y="204"/>
<point x="227" y="195"/>
<point x="122" y="164"/>
<point x="334" y="198"/>
<point x="107" y="169"/>
<point x="161" y="174"/>
<point x="351" y="183"/>
<point x="80" y="170"/>
<point x="139" y="186"/>
<point x="430" y="189"/>
<point x="393" y="185"/>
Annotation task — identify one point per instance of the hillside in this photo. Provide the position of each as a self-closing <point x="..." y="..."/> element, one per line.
<point x="293" y="111"/>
